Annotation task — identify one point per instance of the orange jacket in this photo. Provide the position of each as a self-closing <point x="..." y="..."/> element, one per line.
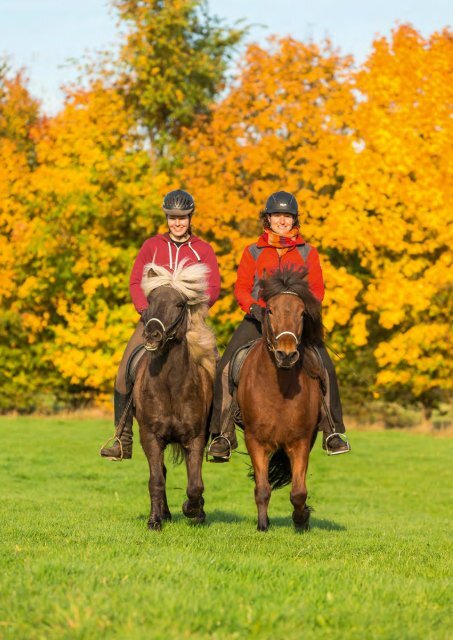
<point x="260" y="257"/>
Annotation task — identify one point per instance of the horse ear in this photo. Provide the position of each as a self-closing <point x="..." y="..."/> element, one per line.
<point x="151" y="273"/>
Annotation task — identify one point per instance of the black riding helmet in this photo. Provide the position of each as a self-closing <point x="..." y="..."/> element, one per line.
<point x="178" y="201"/>
<point x="280" y="202"/>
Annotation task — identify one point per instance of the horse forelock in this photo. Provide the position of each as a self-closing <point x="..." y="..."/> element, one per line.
<point x="290" y="279"/>
<point x="295" y="280"/>
<point x="190" y="281"/>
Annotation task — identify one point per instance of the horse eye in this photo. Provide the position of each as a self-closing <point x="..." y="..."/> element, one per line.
<point x="269" y="311"/>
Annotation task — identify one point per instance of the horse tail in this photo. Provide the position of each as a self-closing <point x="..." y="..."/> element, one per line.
<point x="177" y="453"/>
<point x="279" y="472"/>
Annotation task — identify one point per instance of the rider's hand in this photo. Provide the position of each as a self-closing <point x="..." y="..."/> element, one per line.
<point x="257" y="312"/>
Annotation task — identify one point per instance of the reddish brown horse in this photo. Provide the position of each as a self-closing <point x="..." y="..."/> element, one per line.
<point x="279" y="395"/>
<point x="174" y="381"/>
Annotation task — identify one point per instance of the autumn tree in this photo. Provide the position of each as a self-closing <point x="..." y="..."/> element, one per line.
<point x="396" y="199"/>
<point x="368" y="155"/>
<point x="172" y="64"/>
<point x="81" y="193"/>
<point x="282" y="125"/>
<point x="19" y="114"/>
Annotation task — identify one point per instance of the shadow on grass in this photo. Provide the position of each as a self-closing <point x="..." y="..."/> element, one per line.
<point x="226" y="517"/>
<point x="211" y="517"/>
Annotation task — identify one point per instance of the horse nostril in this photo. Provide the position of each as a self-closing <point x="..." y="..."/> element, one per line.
<point x="286" y="359"/>
<point x="155" y="335"/>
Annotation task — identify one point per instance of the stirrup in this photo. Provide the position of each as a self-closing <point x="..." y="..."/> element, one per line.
<point x="112" y="440"/>
<point x="218" y="458"/>
<point x="343" y="437"/>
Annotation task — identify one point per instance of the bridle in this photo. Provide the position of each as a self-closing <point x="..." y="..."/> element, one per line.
<point x="167" y="334"/>
<point x="271" y="338"/>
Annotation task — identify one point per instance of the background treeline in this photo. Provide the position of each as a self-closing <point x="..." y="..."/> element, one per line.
<point x="366" y="150"/>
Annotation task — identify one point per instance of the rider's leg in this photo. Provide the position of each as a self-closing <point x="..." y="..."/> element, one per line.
<point x="222" y="421"/>
<point x="334" y="444"/>
<point x="121" y="397"/>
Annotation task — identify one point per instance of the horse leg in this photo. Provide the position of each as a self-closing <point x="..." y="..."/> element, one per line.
<point x="298" y="455"/>
<point x="155" y="455"/>
<point x="260" y="461"/>
<point x="193" y="507"/>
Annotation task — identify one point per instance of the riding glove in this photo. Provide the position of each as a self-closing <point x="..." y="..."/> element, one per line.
<point x="257" y="312"/>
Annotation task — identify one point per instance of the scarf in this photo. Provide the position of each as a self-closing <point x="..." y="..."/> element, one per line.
<point x="282" y="243"/>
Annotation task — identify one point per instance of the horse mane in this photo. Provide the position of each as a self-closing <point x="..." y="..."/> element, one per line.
<point x="295" y="279"/>
<point x="192" y="283"/>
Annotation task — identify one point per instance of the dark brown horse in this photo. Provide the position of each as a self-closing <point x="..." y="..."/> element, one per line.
<point x="279" y="395"/>
<point x="173" y="387"/>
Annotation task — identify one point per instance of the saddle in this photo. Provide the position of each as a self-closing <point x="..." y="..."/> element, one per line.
<point x="236" y="363"/>
<point x="311" y="363"/>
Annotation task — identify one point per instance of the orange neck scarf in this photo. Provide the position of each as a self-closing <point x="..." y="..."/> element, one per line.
<point x="283" y="243"/>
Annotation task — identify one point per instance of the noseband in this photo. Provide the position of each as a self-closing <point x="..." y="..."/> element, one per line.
<point x="271" y="338"/>
<point x="167" y="334"/>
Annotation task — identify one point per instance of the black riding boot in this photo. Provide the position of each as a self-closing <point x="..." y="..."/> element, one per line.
<point x="223" y="431"/>
<point x="334" y="440"/>
<point x="122" y="447"/>
<point x="222" y="427"/>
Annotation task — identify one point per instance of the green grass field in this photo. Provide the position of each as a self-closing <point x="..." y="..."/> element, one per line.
<point x="77" y="560"/>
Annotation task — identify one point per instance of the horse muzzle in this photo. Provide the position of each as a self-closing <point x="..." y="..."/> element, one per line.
<point x="154" y="341"/>
<point x="286" y="360"/>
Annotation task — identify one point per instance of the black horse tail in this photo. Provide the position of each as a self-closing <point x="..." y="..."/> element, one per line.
<point x="279" y="472"/>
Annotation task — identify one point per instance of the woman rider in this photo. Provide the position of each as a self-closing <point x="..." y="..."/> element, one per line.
<point x="281" y="244"/>
<point x="166" y="250"/>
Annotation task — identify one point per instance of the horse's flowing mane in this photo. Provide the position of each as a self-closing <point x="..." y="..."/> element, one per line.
<point x="294" y="279"/>
<point x="192" y="283"/>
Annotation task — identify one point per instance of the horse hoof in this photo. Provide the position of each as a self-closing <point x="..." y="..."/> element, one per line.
<point x="189" y="510"/>
<point x="201" y="518"/>
<point x="167" y="516"/>
<point x="154" y="525"/>
<point x="303" y="523"/>
<point x="196" y="514"/>
<point x="263" y="527"/>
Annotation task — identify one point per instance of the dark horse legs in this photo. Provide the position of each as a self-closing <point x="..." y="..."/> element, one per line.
<point x="260" y="461"/>
<point x="159" y="507"/>
<point x="193" y="507"/>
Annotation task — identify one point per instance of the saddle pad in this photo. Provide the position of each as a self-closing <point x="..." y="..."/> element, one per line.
<point x="236" y="363"/>
<point x="132" y="364"/>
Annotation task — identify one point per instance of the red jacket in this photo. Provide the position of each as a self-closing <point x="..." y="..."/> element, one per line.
<point x="251" y="270"/>
<point x="161" y="250"/>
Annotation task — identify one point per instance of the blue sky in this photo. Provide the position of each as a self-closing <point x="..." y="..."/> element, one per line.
<point x="43" y="35"/>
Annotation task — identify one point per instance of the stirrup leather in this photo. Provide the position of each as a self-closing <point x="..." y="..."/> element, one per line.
<point x="343" y="437"/>
<point x="216" y="439"/>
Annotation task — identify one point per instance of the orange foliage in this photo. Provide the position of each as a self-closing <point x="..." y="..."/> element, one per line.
<point x="367" y="153"/>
